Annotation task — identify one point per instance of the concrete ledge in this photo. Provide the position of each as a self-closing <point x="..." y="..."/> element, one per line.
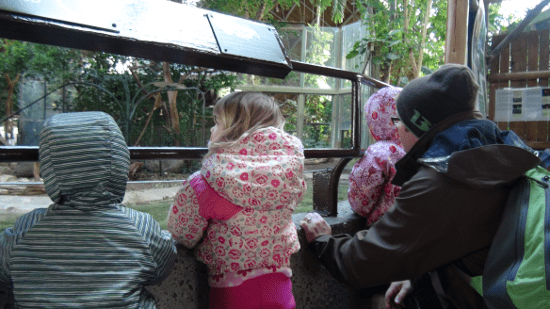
<point x="312" y="285"/>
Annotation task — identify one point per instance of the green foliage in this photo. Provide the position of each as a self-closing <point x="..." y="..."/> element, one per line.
<point x="34" y="61"/>
<point x="157" y="209"/>
<point x="434" y="50"/>
<point x="7" y="219"/>
<point x="246" y="8"/>
<point x="390" y="43"/>
<point x="317" y="118"/>
<point x="338" y="10"/>
<point x="103" y="82"/>
<point x="318" y="114"/>
<point x="249" y="8"/>
<point x="119" y="94"/>
<point x="499" y="23"/>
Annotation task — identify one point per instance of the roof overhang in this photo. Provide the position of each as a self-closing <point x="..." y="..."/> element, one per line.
<point x="153" y="29"/>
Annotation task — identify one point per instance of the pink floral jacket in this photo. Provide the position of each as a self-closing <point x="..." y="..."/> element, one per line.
<point x="240" y="204"/>
<point x="370" y="192"/>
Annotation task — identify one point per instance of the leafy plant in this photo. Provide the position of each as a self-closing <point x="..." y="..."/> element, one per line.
<point x="401" y="39"/>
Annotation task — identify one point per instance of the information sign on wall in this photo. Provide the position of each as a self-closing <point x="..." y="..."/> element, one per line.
<point x="522" y="104"/>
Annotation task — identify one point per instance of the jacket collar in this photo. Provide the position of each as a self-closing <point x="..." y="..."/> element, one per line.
<point x="486" y="166"/>
<point x="408" y="165"/>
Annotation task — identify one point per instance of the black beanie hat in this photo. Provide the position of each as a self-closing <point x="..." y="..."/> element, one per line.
<point x="427" y="100"/>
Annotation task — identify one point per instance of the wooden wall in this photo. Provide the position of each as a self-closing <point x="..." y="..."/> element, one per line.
<point x="524" y="63"/>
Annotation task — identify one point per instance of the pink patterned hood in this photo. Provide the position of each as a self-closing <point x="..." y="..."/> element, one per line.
<point x="379" y="110"/>
<point x="370" y="192"/>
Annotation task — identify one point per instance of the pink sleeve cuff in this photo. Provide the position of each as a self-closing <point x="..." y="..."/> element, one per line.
<point x="211" y="204"/>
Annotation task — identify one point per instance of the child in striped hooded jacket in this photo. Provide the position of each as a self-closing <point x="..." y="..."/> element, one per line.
<point x="240" y="205"/>
<point x="86" y="250"/>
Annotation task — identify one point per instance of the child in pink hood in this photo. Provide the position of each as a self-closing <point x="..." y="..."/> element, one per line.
<point x="370" y="191"/>
<point x="240" y="205"/>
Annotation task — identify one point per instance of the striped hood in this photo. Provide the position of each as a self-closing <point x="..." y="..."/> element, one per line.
<point x="84" y="160"/>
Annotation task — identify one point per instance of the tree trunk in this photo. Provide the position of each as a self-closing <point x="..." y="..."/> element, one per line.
<point x="318" y="9"/>
<point x="246" y="12"/>
<point x="424" y="33"/>
<point x="388" y="76"/>
<point x="261" y="11"/>
<point x="406" y="18"/>
<point x="370" y="53"/>
<point x="172" y="95"/>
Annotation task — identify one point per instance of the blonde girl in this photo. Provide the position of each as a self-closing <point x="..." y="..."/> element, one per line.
<point x="241" y="202"/>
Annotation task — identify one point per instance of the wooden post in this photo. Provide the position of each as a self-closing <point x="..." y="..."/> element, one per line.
<point x="518" y="64"/>
<point x="494" y="67"/>
<point x="456" y="44"/>
<point x="504" y="67"/>
<point x="531" y="127"/>
<point x="544" y="59"/>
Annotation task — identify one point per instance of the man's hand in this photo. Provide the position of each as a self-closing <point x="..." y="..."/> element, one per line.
<point x="396" y="294"/>
<point x="314" y="226"/>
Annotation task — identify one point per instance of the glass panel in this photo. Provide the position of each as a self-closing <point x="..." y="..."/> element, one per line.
<point x="321" y="48"/>
<point x="318" y="121"/>
<point x="288" y="103"/>
<point x="291" y="80"/>
<point x="351" y="34"/>
<point x="37" y="105"/>
<point x="344" y="119"/>
<point x="292" y="39"/>
<point x="327" y="46"/>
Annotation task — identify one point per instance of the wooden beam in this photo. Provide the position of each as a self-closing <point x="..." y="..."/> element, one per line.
<point x="457" y="31"/>
<point x="518" y="76"/>
<point x="275" y="14"/>
<point x="289" y="12"/>
<point x="538" y="145"/>
<point x="350" y="17"/>
<point x="313" y="14"/>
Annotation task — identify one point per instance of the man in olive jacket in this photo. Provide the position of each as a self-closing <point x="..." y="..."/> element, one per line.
<point x="455" y="179"/>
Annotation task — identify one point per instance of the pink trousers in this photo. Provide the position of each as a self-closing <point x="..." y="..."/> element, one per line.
<point x="270" y="291"/>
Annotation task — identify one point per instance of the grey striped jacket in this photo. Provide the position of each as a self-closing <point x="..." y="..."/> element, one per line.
<point x="85" y="250"/>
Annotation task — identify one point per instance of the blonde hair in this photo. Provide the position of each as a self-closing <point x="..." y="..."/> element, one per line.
<point x="241" y="113"/>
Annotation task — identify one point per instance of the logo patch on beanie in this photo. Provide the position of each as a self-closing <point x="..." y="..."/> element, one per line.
<point x="420" y="121"/>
